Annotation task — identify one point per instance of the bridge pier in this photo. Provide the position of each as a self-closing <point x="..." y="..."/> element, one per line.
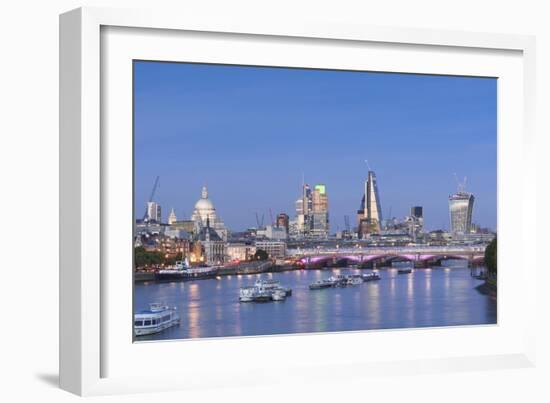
<point x="366" y="265"/>
<point x="421" y="264"/>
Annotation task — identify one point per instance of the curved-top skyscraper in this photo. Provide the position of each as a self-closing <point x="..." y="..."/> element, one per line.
<point x="461" y="206"/>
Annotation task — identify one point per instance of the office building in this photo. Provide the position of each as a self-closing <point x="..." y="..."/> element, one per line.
<point x="153" y="212"/>
<point x="461" y="205"/>
<point x="369" y="215"/>
<point x="417" y="211"/>
<point x="312" y="212"/>
<point x="283" y="221"/>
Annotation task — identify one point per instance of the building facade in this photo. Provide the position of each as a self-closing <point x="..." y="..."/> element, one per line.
<point x="154" y="213"/>
<point x="461" y="206"/>
<point x="213" y="246"/>
<point x="369" y="215"/>
<point x="172" y="217"/>
<point x="283" y="221"/>
<point x="373" y="210"/>
<point x="240" y="251"/>
<point x="275" y="249"/>
<point x="311" y="213"/>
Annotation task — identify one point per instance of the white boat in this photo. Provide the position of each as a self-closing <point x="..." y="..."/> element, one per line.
<point x="352" y="280"/>
<point x="155" y="319"/>
<point x="247" y="294"/>
<point x="264" y="291"/>
<point x="278" y="295"/>
<point x="272" y="285"/>
<point x="184" y="271"/>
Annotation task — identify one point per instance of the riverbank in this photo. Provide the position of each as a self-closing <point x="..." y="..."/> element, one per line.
<point x="488" y="287"/>
<point x="257" y="267"/>
<point x="254" y="267"/>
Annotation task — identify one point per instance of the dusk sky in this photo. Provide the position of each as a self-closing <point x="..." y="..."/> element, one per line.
<point x="249" y="133"/>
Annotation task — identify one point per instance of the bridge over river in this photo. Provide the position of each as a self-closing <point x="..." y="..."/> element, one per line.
<point x="421" y="256"/>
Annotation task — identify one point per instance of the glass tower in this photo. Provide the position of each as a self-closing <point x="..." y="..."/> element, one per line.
<point x="461" y="205"/>
<point x="372" y="211"/>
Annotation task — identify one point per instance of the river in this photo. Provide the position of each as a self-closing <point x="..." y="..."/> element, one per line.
<point x="437" y="296"/>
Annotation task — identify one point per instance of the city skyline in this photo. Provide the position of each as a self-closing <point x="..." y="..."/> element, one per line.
<point x="249" y="133"/>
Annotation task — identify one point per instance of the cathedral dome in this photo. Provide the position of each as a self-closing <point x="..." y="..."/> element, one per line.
<point x="204" y="208"/>
<point x="204" y="204"/>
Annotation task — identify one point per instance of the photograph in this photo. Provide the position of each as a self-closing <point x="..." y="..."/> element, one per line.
<point x="287" y="200"/>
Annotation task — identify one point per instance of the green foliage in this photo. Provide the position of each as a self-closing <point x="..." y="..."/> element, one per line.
<point x="143" y="258"/>
<point x="491" y="256"/>
<point x="172" y="260"/>
<point x="261" y="255"/>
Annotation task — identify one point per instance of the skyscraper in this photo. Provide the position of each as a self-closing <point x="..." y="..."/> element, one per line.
<point x="283" y="221"/>
<point x="417" y="212"/>
<point x="461" y="205"/>
<point x="312" y="211"/>
<point x="153" y="212"/>
<point x="319" y="213"/>
<point x="372" y="209"/>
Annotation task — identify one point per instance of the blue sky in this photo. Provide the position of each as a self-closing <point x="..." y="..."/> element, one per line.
<point x="249" y="133"/>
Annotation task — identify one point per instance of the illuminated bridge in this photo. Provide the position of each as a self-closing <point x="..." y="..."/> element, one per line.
<point x="421" y="256"/>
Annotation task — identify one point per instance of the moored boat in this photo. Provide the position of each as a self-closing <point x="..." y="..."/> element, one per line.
<point x="264" y="291"/>
<point x="320" y="284"/>
<point x="404" y="271"/>
<point x="370" y="277"/>
<point x="184" y="271"/>
<point x="155" y="319"/>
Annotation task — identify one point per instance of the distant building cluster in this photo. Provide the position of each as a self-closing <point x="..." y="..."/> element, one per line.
<point x="204" y="238"/>
<point x="312" y="218"/>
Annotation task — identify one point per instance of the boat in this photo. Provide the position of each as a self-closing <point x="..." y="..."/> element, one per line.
<point x="404" y="271"/>
<point x="155" y="319"/>
<point x="370" y="277"/>
<point x="338" y="281"/>
<point x="182" y="270"/>
<point x="353" y="280"/>
<point x="278" y="295"/>
<point x="320" y="284"/>
<point x="246" y="294"/>
<point x="272" y="285"/>
<point x="264" y="291"/>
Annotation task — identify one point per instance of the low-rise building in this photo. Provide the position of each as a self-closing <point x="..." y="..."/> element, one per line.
<point x="275" y="249"/>
<point x="240" y="251"/>
<point x="271" y="232"/>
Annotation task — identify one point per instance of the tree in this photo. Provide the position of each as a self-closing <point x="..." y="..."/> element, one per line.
<point x="143" y="258"/>
<point x="491" y="256"/>
<point x="261" y="255"/>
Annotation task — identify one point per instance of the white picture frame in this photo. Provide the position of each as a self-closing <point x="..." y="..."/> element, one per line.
<point x="95" y="350"/>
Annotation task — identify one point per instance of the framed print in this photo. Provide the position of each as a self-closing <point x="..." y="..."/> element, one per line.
<point x="242" y="198"/>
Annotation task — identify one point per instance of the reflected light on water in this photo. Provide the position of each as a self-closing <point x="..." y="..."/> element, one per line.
<point x="410" y="287"/>
<point x="208" y="310"/>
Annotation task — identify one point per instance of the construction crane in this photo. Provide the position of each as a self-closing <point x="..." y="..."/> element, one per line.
<point x="271" y="216"/>
<point x="151" y="196"/>
<point x="461" y="186"/>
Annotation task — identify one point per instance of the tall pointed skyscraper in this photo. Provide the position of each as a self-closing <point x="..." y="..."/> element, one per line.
<point x="372" y="209"/>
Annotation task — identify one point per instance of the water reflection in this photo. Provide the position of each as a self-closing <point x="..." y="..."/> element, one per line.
<point x="426" y="297"/>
